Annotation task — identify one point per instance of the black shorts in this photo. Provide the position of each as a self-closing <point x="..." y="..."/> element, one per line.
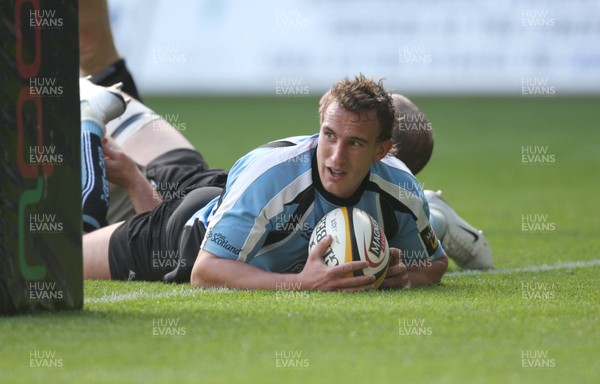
<point x="147" y="246"/>
<point x="172" y="175"/>
<point x="181" y="170"/>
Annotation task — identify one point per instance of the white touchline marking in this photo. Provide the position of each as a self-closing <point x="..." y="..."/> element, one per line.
<point x="534" y="268"/>
<point x="143" y="294"/>
<point x="187" y="291"/>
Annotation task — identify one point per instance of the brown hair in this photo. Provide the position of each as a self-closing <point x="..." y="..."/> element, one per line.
<point x="362" y="94"/>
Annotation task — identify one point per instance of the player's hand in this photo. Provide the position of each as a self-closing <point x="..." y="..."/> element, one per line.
<point x="397" y="273"/>
<point x="316" y="275"/>
<point x="120" y="168"/>
<point x="123" y="171"/>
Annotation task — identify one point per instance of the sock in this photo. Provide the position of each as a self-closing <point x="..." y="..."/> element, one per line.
<point x="438" y="223"/>
<point x="117" y="73"/>
<point x="94" y="183"/>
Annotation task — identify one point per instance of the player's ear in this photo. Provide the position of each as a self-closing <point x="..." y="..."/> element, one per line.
<point x="384" y="147"/>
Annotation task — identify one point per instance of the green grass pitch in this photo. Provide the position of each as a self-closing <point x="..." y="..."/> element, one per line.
<point x="533" y="320"/>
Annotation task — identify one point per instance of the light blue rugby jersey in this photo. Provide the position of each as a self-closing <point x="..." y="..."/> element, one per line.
<point x="274" y="199"/>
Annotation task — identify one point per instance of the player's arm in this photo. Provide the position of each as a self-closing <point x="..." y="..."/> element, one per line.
<point x="399" y="276"/>
<point x="212" y="271"/>
<point x="123" y="171"/>
<point x="431" y="274"/>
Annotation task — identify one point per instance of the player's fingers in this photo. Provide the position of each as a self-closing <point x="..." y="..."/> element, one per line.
<point x="344" y="282"/>
<point x="403" y="268"/>
<point x="109" y="161"/>
<point x="320" y="248"/>
<point x="395" y="256"/>
<point x="110" y="142"/>
<point x="358" y="288"/>
<point x="396" y="277"/>
<point x="108" y="149"/>
<point x="349" y="268"/>
<point x="388" y="283"/>
<point x="396" y="281"/>
<point x="112" y="149"/>
<point x="354" y="284"/>
<point x="394" y="270"/>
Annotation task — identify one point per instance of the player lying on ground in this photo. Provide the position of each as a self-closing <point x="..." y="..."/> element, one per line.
<point x="147" y="159"/>
<point x="346" y="164"/>
<point x="99" y="244"/>
<point x="167" y="159"/>
<point x="241" y="229"/>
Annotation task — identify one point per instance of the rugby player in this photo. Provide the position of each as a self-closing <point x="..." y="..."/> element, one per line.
<point x="100" y="265"/>
<point x="161" y="156"/>
<point x="146" y="160"/>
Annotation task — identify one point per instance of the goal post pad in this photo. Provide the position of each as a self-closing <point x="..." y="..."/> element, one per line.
<point x="41" y="264"/>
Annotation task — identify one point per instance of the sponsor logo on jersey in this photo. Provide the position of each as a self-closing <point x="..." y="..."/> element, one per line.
<point x="429" y="239"/>
<point x="220" y="240"/>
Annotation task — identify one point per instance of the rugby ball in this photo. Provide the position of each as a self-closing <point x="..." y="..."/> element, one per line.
<point x="356" y="237"/>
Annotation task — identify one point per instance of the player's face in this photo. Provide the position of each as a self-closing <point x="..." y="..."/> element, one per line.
<point x="348" y="145"/>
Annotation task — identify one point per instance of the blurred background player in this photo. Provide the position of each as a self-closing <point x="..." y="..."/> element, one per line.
<point x="98" y="56"/>
<point x="414" y="145"/>
<point x="159" y="159"/>
<point x="97" y="108"/>
<point x="414" y="135"/>
<point x="145" y="160"/>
